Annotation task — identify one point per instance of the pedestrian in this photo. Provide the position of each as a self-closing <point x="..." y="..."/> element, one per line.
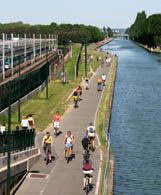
<point x="2" y="128"/>
<point x="24" y="123"/>
<point x="31" y="122"/>
<point x="103" y="79"/>
<point x="99" y="83"/>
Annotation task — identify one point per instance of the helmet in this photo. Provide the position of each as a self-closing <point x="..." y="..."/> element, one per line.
<point x="90" y="124"/>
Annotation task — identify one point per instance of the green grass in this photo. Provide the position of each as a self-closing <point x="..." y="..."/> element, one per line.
<point x="42" y="108"/>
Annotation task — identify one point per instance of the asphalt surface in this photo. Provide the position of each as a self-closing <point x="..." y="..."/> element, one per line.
<point x="63" y="178"/>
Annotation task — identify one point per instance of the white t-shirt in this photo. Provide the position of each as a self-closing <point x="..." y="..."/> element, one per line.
<point x="103" y="77"/>
<point x="24" y="123"/>
<point x="2" y="129"/>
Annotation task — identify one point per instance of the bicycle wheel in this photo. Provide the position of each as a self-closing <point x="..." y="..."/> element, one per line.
<point x="68" y="154"/>
<point x="87" y="185"/>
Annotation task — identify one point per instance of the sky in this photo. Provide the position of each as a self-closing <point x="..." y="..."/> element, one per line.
<point x="109" y="13"/>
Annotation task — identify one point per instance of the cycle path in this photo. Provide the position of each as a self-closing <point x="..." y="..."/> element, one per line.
<point x="67" y="178"/>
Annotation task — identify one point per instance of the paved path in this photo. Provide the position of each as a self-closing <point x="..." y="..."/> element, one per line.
<point x="63" y="178"/>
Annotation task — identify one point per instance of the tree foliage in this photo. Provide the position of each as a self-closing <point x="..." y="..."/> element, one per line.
<point x="146" y="30"/>
<point x="78" y="33"/>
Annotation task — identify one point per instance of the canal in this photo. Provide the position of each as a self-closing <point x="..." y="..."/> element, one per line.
<point x="136" y="120"/>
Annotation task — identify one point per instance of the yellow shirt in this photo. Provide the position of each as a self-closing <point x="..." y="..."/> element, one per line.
<point x="47" y="140"/>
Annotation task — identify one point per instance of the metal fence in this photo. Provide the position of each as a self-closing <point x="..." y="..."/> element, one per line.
<point x="22" y="85"/>
<point x="19" y="140"/>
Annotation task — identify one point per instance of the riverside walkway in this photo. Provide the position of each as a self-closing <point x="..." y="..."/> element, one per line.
<point x="60" y="177"/>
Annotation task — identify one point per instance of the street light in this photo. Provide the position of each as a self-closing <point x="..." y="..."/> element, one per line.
<point x="71" y="52"/>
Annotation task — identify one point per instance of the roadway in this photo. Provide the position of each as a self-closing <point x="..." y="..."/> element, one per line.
<point x="59" y="177"/>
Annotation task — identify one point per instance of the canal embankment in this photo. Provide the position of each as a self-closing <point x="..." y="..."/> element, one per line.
<point x="102" y="127"/>
<point x="150" y="49"/>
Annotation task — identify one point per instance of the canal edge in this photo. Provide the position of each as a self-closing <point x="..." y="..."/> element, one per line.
<point x="107" y="172"/>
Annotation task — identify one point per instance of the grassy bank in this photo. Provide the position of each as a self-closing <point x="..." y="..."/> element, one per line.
<point x="42" y="108"/>
<point x="156" y="50"/>
<point x="104" y="116"/>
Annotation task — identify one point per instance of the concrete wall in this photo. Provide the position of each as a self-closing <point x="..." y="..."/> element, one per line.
<point x="20" y="162"/>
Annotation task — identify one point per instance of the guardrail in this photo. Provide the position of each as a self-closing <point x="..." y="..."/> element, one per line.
<point x="19" y="140"/>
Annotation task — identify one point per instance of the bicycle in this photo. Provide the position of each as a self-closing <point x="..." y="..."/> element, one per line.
<point x="87" y="184"/>
<point x="56" y="128"/>
<point x="68" y="154"/>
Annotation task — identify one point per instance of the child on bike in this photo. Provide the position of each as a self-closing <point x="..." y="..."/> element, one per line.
<point x="79" y="92"/>
<point x="99" y="83"/>
<point x="69" y="141"/>
<point x="75" y="99"/>
<point x="56" y="123"/>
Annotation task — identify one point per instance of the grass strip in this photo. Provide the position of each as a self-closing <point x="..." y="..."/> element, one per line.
<point x="104" y="114"/>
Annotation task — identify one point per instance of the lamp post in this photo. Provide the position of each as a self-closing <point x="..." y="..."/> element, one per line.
<point x="71" y="52"/>
<point x="63" y="74"/>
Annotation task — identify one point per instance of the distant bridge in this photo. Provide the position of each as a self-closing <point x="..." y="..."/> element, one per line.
<point x="121" y="35"/>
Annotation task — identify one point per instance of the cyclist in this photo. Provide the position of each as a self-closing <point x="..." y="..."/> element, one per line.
<point x="91" y="135"/>
<point x="75" y="99"/>
<point x="99" y="83"/>
<point x="87" y="170"/>
<point x="86" y="83"/>
<point x="103" y="79"/>
<point x="56" y="122"/>
<point x="79" y="91"/>
<point x="47" y="143"/>
<point x="85" y="141"/>
<point x="69" y="141"/>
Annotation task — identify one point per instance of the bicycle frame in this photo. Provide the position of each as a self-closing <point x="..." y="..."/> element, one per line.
<point x="87" y="184"/>
<point x="68" y="153"/>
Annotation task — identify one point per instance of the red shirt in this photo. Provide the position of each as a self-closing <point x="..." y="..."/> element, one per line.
<point x="56" y="118"/>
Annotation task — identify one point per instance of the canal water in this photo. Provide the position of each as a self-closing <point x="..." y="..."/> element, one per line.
<point x="136" y="120"/>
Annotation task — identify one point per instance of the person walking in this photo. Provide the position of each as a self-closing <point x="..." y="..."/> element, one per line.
<point x="47" y="143"/>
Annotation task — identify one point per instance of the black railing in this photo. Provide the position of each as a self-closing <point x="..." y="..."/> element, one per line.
<point x="29" y="82"/>
<point x="20" y="140"/>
